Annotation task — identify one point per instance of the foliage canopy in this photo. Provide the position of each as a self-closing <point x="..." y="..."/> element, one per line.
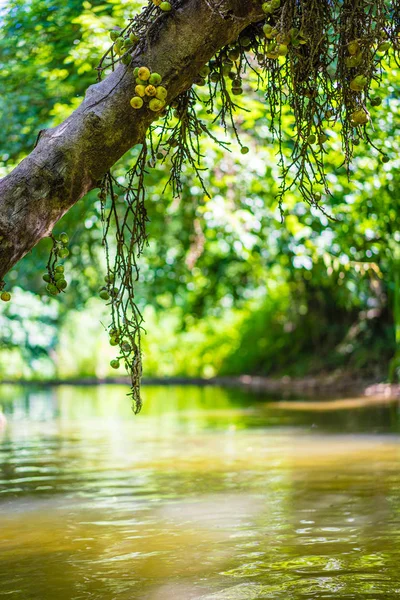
<point x="320" y="70"/>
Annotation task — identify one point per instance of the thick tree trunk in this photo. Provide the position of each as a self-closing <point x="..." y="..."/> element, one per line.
<point x="70" y="159"/>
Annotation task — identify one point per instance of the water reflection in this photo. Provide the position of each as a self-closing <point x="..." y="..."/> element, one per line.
<point x="208" y="494"/>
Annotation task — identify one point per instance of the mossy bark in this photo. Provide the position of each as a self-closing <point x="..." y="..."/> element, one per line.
<point x="72" y="158"/>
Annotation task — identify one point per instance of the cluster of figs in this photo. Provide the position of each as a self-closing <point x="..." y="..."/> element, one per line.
<point x="108" y="290"/>
<point x="278" y="45"/>
<point x="358" y="83"/>
<point x="122" y="45"/>
<point x="148" y="91"/>
<point x="55" y="278"/>
<point x="116" y="339"/>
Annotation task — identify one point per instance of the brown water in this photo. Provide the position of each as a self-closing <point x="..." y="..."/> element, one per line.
<point x="208" y="494"/>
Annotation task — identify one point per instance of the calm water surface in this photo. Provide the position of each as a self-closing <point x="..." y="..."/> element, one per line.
<point x="209" y="494"/>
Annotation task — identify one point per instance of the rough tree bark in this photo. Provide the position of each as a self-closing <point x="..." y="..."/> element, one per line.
<point x="70" y="159"/>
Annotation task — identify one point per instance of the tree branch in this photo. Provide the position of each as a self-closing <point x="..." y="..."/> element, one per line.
<point x="72" y="158"/>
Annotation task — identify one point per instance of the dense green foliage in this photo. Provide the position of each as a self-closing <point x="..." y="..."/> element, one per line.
<point x="225" y="286"/>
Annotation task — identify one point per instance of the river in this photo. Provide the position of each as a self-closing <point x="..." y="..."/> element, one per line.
<point x="208" y="494"/>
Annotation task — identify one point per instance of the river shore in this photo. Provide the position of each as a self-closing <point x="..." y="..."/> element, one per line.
<point x="329" y="386"/>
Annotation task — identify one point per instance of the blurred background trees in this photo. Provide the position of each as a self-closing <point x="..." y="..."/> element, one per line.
<point x="226" y="287"/>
